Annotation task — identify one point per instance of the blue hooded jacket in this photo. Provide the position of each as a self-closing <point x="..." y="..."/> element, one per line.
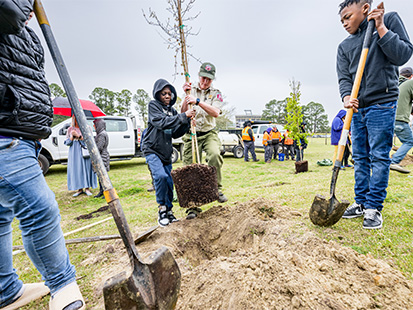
<point x="337" y="126"/>
<point x="164" y="123"/>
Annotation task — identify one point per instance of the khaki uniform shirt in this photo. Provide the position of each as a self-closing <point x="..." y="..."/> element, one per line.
<point x="212" y="96"/>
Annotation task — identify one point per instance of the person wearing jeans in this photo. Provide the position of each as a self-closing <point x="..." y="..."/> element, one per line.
<point x="26" y="113"/>
<point x="24" y="194"/>
<point x="372" y="160"/>
<point x="375" y="107"/>
<point x="164" y="123"/>
<point x="404" y="109"/>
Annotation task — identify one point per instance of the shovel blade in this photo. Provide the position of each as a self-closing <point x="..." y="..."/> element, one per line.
<point x="159" y="277"/>
<point x="325" y="212"/>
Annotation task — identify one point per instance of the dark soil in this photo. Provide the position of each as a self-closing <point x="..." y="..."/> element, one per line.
<point x="195" y="185"/>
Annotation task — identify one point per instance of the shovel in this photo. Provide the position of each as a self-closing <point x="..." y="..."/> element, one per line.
<point x="328" y="212"/>
<point x="154" y="284"/>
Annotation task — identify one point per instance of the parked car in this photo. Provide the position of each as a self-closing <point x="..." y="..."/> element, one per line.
<point x="124" y="142"/>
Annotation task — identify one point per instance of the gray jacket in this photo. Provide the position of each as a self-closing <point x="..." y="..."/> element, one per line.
<point x="380" y="79"/>
<point x="102" y="141"/>
<point x="25" y="106"/>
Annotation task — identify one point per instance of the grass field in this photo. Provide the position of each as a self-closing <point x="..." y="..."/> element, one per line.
<point x="242" y="182"/>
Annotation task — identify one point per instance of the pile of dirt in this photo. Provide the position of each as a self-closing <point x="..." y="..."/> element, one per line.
<point x="258" y="255"/>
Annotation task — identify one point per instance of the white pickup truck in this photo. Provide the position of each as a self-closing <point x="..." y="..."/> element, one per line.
<point x="124" y="142"/>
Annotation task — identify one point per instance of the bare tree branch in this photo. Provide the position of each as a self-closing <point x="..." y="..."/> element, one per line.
<point x="172" y="29"/>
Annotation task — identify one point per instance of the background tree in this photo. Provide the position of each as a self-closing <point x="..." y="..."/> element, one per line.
<point x="275" y="111"/>
<point x="141" y="98"/>
<point x="124" y="102"/>
<point x="315" y="116"/>
<point x="224" y="120"/>
<point x="56" y="91"/>
<point x="294" y="114"/>
<point x="104" y="99"/>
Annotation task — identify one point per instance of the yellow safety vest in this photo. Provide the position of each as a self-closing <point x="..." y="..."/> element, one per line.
<point x="246" y="136"/>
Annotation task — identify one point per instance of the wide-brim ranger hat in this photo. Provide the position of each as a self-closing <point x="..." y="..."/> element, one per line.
<point x="207" y="70"/>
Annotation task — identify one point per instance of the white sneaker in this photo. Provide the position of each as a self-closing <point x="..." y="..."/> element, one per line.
<point x="398" y="168"/>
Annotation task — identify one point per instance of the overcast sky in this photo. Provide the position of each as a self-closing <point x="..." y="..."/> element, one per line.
<point x="257" y="46"/>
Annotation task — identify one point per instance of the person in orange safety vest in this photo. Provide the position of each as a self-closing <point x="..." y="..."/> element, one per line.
<point x="267" y="142"/>
<point x="276" y="140"/>
<point x="288" y="145"/>
<point x="248" y="139"/>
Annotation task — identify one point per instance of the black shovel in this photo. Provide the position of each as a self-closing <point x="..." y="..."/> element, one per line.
<point x="328" y="212"/>
<point x="153" y="284"/>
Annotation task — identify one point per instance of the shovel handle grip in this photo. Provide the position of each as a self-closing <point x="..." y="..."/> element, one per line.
<point x="354" y="92"/>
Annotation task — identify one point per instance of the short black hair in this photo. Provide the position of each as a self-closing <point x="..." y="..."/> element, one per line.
<point x="347" y="3"/>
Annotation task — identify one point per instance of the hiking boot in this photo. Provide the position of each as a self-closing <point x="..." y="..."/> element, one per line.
<point x="222" y="198"/>
<point x="256" y="159"/>
<point x="163" y="219"/>
<point x="171" y="217"/>
<point x="193" y="213"/>
<point x="372" y="219"/>
<point x="355" y="210"/>
<point x="398" y="168"/>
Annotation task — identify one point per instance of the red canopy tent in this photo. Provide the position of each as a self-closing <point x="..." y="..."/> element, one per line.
<point x="61" y="106"/>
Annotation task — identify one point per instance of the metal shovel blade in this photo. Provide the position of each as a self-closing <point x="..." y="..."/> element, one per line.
<point x="325" y="212"/>
<point x="152" y="285"/>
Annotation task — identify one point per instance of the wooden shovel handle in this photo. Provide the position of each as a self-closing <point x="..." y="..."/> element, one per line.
<point x="354" y="92"/>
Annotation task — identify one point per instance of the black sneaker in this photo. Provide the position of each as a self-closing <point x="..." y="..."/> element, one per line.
<point x="192" y="213"/>
<point x="222" y="198"/>
<point x="171" y="217"/>
<point x="355" y="210"/>
<point x="372" y="219"/>
<point x="163" y="219"/>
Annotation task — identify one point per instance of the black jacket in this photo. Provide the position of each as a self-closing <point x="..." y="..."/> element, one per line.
<point x="380" y="78"/>
<point x="164" y="123"/>
<point x="25" y="106"/>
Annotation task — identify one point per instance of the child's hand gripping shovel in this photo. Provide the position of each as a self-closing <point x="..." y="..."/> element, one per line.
<point x="328" y="212"/>
<point x="154" y="284"/>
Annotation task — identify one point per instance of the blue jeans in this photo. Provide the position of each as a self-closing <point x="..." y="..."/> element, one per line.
<point x="164" y="186"/>
<point x="24" y="194"/>
<point x="405" y="135"/>
<point x="372" y="131"/>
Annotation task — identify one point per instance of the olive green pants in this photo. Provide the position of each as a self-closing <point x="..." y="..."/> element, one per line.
<point x="211" y="145"/>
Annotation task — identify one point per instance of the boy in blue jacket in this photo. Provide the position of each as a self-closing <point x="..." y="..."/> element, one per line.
<point x="164" y="123"/>
<point x="373" y="121"/>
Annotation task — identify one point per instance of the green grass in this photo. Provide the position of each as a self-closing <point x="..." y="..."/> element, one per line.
<point x="242" y="182"/>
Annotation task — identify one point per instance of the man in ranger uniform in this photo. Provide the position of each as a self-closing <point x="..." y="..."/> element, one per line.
<point x="207" y="103"/>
